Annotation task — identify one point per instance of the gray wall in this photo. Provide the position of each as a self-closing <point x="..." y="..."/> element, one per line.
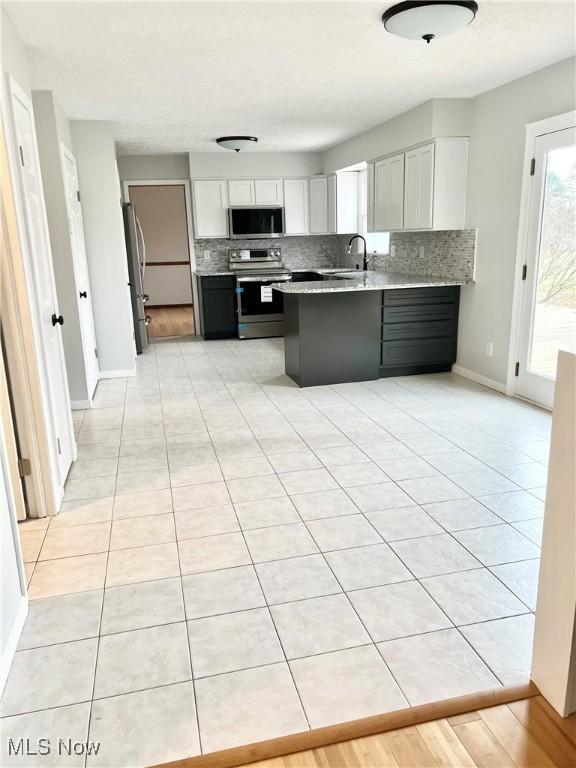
<point x="51" y="128"/>
<point x="149" y="167"/>
<point x="226" y="164"/>
<point x="106" y="249"/>
<point x="493" y="206"/>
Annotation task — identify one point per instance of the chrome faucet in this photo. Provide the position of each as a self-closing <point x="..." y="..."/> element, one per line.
<point x="365" y="257"/>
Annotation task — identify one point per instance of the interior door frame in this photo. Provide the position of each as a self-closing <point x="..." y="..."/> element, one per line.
<point x="127" y="183"/>
<point x="67" y="155"/>
<point x="533" y="131"/>
<point x="21" y="352"/>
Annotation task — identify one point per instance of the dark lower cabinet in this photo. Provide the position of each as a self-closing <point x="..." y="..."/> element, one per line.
<point x="217" y="300"/>
<point x="419" y="330"/>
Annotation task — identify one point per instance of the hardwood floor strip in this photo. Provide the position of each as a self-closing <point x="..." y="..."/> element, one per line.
<point x="170" y="321"/>
<point x="321" y="737"/>
<point x="547" y="729"/>
<point x="409" y="748"/>
<point x="483" y="746"/>
<point x="445" y="745"/>
<point x="514" y="738"/>
<point x="467" y="717"/>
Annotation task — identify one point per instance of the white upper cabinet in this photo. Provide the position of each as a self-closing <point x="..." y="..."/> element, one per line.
<point x="210" y="208"/>
<point x="418" y="187"/>
<point x="269" y="192"/>
<point x="296" y="207"/>
<point x="319" y="205"/>
<point x="332" y="204"/>
<point x="389" y="193"/>
<point x="241" y="192"/>
<point x="422" y="188"/>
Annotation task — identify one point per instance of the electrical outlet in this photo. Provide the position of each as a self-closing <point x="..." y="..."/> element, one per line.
<point x="393" y="251"/>
<point x="421" y="252"/>
<point x="206" y="254"/>
<point x="489" y="348"/>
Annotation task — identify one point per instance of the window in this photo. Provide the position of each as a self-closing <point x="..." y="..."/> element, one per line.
<point x="376" y="242"/>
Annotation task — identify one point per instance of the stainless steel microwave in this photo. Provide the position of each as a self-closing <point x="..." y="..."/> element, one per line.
<point x="253" y="223"/>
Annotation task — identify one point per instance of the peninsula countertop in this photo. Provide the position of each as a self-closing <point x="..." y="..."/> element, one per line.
<point x="367" y="281"/>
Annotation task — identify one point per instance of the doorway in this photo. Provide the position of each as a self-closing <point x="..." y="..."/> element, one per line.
<point x="548" y="308"/>
<point x="164" y="214"/>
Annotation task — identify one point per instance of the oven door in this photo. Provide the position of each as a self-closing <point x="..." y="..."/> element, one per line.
<point x="257" y="301"/>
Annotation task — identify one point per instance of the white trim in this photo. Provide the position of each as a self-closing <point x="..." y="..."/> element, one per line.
<point x="80" y="405"/>
<point x="479" y="379"/>
<point x="127" y="183"/>
<point x="533" y="130"/>
<point x="118" y="373"/>
<point x="12" y="642"/>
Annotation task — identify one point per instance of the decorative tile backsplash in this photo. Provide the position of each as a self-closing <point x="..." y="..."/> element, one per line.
<point x="320" y="251"/>
<point x="447" y="253"/>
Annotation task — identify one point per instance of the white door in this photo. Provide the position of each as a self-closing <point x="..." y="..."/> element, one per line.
<point x="319" y="206"/>
<point x="268" y="191"/>
<point x="241" y="192"/>
<point x="296" y="207"/>
<point x="44" y="303"/>
<point x="418" y="188"/>
<point x="548" y="321"/>
<point x="389" y="194"/>
<point x="82" y="279"/>
<point x="210" y="208"/>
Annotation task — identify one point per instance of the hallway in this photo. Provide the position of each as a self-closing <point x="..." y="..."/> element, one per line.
<point x="238" y="559"/>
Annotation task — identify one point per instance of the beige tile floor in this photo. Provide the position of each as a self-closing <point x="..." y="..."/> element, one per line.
<point x="237" y="559"/>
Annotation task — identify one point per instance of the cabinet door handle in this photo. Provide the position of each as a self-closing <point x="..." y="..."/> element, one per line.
<point x="83" y="295"/>
<point x="57" y="320"/>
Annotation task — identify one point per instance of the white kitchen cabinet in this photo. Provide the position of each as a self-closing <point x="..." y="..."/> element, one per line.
<point x="296" y="215"/>
<point x="346" y="203"/>
<point x="422" y="188"/>
<point x="389" y="193"/>
<point x="241" y="192"/>
<point x="319" y="205"/>
<point x="269" y="192"/>
<point x="332" y="204"/>
<point x="418" y="187"/>
<point x="210" y="198"/>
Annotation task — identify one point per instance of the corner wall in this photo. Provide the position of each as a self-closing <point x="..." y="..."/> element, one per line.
<point x="95" y="154"/>
<point x="493" y="207"/>
<point x="149" y="167"/>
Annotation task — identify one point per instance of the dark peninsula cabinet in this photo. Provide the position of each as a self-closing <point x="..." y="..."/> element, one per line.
<point x="419" y="330"/>
<point x="217" y="306"/>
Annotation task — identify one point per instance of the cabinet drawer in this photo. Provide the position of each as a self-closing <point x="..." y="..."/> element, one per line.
<point x="421" y="313"/>
<point x="217" y="282"/>
<point x="430" y="330"/>
<point x="432" y="351"/>
<point x="409" y="296"/>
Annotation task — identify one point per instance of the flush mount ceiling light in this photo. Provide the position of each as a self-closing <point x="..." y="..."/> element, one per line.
<point x="236" y="142"/>
<point x="428" y="19"/>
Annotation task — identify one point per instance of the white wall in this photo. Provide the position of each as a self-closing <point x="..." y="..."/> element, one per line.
<point x="14" y="56"/>
<point x="52" y="127"/>
<point x="493" y="206"/>
<point x="227" y="164"/>
<point x="149" y="167"/>
<point x="106" y="248"/>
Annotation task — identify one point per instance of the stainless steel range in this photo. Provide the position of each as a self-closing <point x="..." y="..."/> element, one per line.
<point x="260" y="309"/>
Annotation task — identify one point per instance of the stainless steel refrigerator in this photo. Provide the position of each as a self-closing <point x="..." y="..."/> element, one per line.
<point x="136" y="249"/>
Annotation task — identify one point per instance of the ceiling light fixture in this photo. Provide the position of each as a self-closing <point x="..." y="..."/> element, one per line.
<point x="236" y="142"/>
<point x="428" y="19"/>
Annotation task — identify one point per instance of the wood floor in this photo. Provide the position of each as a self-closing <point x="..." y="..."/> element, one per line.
<point x="170" y="321"/>
<point x="523" y="734"/>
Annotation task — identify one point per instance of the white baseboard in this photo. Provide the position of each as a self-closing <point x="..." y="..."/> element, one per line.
<point x="12" y="642"/>
<point x="118" y="374"/>
<point x="80" y="405"/>
<point x="479" y="379"/>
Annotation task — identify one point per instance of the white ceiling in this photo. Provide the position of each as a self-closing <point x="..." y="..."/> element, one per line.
<point x="171" y="77"/>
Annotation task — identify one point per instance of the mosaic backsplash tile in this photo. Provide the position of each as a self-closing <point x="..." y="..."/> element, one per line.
<point x="320" y="251"/>
<point x="448" y="253"/>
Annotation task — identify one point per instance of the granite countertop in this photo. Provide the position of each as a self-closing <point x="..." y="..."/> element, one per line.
<point x="369" y="281"/>
<point x="210" y="273"/>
